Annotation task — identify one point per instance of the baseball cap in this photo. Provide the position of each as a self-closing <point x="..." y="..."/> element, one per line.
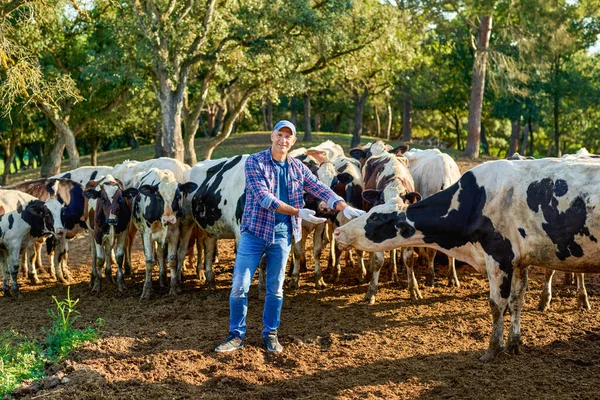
<point x="285" y="124"/>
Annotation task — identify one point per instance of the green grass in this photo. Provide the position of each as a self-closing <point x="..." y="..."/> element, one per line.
<point x="244" y="143"/>
<point x="23" y="358"/>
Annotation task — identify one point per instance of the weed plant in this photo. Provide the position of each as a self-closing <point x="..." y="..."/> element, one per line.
<point x="23" y="358"/>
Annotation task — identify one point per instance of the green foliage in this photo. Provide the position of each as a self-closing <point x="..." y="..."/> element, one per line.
<point x="23" y="358"/>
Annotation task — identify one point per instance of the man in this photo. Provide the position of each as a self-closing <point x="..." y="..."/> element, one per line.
<point x="273" y="212"/>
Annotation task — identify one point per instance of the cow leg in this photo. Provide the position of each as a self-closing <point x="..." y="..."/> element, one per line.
<point x="319" y="237"/>
<point x="302" y="260"/>
<point x="120" y="255"/>
<point x="38" y="258"/>
<point x="5" y="274"/>
<point x="148" y="244"/>
<point x="182" y="245"/>
<point x="131" y="231"/>
<point x="546" y="295"/>
<point x="430" y="277"/>
<point x="161" y="252"/>
<point x="172" y="260"/>
<point x="200" y="238"/>
<point x="296" y="255"/>
<point x="394" y="265"/>
<point x="30" y="260"/>
<point x="569" y="278"/>
<point x="452" y="276"/>
<point x="59" y="252"/>
<point x="210" y="244"/>
<point x="498" y="306"/>
<point x="51" y="250"/>
<point x="99" y="267"/>
<point x="363" y="268"/>
<point x="93" y="252"/>
<point x="515" y="303"/>
<point x="408" y="262"/>
<point x="375" y="264"/>
<point x="13" y="263"/>
<point x="582" y="296"/>
<point x="336" y="269"/>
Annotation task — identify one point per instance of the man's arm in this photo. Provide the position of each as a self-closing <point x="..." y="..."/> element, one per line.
<point x="255" y="183"/>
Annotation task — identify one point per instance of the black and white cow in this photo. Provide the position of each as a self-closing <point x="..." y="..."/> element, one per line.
<point x="128" y="170"/>
<point x="433" y="171"/>
<point x="218" y="203"/>
<point x="70" y="196"/>
<point x="83" y="175"/>
<point x="500" y="217"/>
<point x="23" y="220"/>
<point x="157" y="211"/>
<point x="108" y="217"/>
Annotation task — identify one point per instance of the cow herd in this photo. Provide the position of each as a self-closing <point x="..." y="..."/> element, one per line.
<point x="499" y="217"/>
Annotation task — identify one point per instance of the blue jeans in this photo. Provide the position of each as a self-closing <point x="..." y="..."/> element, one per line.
<point x="249" y="253"/>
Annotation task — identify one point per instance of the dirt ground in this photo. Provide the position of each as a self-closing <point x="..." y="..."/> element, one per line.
<point x="335" y="346"/>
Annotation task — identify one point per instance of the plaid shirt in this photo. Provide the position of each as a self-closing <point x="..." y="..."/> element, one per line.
<point x="261" y="199"/>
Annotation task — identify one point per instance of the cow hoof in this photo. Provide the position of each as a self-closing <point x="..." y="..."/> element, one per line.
<point x="212" y="285"/>
<point x="293" y="284"/>
<point x="395" y="278"/>
<point x="512" y="349"/>
<point x="34" y="280"/>
<point x="63" y="281"/>
<point x="173" y="292"/>
<point x="369" y="298"/>
<point x="489" y="355"/>
<point x="453" y="283"/>
<point x="320" y="285"/>
<point x="145" y="296"/>
<point x="543" y="306"/>
<point x="430" y="281"/>
<point x="584" y="305"/>
<point x="6" y="293"/>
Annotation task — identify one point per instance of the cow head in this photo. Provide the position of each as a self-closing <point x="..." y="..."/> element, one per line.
<point x="111" y="198"/>
<point x="168" y="194"/>
<point x="362" y="153"/>
<point x="39" y="218"/>
<point x="384" y="227"/>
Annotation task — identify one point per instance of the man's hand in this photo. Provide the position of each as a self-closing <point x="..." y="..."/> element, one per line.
<point x="309" y="216"/>
<point x="351" y="212"/>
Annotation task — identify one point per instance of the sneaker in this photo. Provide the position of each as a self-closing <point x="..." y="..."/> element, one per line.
<point x="232" y="343"/>
<point x="271" y="343"/>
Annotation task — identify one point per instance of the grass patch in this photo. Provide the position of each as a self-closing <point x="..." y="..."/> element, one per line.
<point x="23" y="358"/>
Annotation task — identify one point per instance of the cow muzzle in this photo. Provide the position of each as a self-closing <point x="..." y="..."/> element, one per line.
<point x="340" y="240"/>
<point x="169" y="220"/>
<point x="60" y="231"/>
<point x="112" y="221"/>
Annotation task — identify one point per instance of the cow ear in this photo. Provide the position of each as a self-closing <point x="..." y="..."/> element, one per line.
<point x="404" y="229"/>
<point x="345" y="178"/>
<point x="188" y="187"/>
<point x="132" y="192"/>
<point x="148" y="190"/>
<point x="403" y="148"/>
<point x="413" y="197"/>
<point x="358" y="153"/>
<point x="373" y="196"/>
<point x="35" y="207"/>
<point x="92" y="193"/>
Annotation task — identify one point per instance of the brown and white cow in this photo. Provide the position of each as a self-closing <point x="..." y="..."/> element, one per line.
<point x="387" y="179"/>
<point x="109" y="214"/>
<point x="23" y="220"/>
<point x="433" y="171"/>
<point x="500" y="217"/>
<point x="157" y="211"/>
<point x="70" y="196"/>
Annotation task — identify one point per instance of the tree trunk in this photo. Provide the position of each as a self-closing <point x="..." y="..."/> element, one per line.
<point x="269" y="114"/>
<point x="530" y="136"/>
<point x="9" y="156"/>
<point x="294" y="111"/>
<point x="317" y="122"/>
<point x="95" y="146"/>
<point x="457" y="130"/>
<point x="478" y="86"/>
<point x="263" y="111"/>
<point x="191" y="119"/>
<point x="407" y="119"/>
<point x="556" y="115"/>
<point x="388" y="123"/>
<point x="158" y="149"/>
<point x="64" y="131"/>
<point x="378" y="121"/>
<point x="337" y="122"/>
<point x="52" y="158"/>
<point x="484" y="142"/>
<point x="359" y="107"/>
<point x="228" y="125"/>
<point x="515" y="134"/>
<point x="189" y="156"/>
<point x="524" y="142"/>
<point x="172" y="139"/>
<point x="307" y="128"/>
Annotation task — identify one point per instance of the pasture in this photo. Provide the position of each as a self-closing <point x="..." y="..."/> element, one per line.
<point x="335" y="346"/>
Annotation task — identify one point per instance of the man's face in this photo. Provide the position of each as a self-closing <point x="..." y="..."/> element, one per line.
<point x="283" y="140"/>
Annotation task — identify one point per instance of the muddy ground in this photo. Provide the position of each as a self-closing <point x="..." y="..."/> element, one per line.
<point x="335" y="346"/>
